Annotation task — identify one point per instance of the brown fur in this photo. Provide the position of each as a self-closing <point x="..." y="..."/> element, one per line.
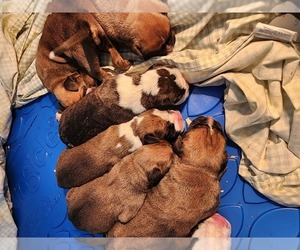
<point x="189" y="192"/>
<point x="75" y="40"/>
<point x="94" y="158"/>
<point x="101" y="108"/>
<point x="119" y="194"/>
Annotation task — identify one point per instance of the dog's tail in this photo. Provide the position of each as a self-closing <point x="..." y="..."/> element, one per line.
<point x="82" y="34"/>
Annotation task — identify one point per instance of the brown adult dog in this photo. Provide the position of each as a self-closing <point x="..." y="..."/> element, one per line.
<point x="68" y="62"/>
<point x="119" y="194"/>
<point x="98" y="155"/>
<point x="189" y="192"/>
<point x="119" y="99"/>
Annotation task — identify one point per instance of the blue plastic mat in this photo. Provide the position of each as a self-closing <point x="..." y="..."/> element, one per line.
<point x="39" y="204"/>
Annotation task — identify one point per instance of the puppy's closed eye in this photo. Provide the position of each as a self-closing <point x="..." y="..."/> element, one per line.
<point x="71" y="84"/>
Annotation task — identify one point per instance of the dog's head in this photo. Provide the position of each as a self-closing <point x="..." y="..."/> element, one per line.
<point x="163" y="87"/>
<point x="153" y="125"/>
<point x="203" y="145"/>
<point x="154" y="35"/>
<point x="73" y="89"/>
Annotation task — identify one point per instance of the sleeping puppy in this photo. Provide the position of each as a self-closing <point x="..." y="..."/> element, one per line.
<point x="119" y="194"/>
<point x="68" y="62"/>
<point x="98" y="155"/>
<point x="189" y="192"/>
<point x="119" y="99"/>
<point x="146" y="34"/>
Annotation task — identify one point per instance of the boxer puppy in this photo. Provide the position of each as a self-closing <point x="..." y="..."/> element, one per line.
<point x="119" y="194"/>
<point x="119" y="99"/>
<point x="189" y="192"/>
<point x="68" y="62"/>
<point x="98" y="155"/>
<point x="146" y="34"/>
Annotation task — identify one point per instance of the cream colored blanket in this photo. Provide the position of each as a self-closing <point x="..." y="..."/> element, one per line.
<point x="262" y="99"/>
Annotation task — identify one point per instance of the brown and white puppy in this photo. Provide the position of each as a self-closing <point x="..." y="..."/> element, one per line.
<point x="98" y="155"/>
<point x="119" y="194"/>
<point x="189" y="192"/>
<point x="68" y="62"/>
<point x="119" y="99"/>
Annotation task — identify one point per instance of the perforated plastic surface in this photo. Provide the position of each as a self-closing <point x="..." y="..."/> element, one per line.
<point x="39" y="204"/>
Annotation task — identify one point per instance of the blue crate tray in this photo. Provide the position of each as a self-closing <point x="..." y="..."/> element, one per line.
<point x="39" y="204"/>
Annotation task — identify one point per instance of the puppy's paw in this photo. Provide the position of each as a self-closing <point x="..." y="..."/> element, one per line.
<point x="58" y="116"/>
<point x="122" y="64"/>
<point x="89" y="90"/>
<point x="126" y="64"/>
<point x="213" y="233"/>
<point x="215" y="226"/>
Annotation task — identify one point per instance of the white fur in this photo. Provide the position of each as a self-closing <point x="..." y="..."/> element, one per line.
<point x="213" y="233"/>
<point x="125" y="129"/>
<point x="172" y="116"/>
<point x="52" y="55"/>
<point x="130" y="95"/>
<point x="149" y="82"/>
<point x="58" y="116"/>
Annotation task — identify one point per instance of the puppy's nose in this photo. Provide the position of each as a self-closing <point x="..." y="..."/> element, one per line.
<point x="176" y="119"/>
<point x="210" y="121"/>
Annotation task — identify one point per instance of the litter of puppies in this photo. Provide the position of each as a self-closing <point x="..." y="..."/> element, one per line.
<point x="131" y="169"/>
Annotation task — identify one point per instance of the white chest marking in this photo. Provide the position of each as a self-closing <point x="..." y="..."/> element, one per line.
<point x="125" y="129"/>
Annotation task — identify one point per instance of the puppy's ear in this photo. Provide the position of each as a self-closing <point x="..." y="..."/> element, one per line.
<point x="71" y="84"/>
<point x="177" y="146"/>
<point x="154" y="177"/>
<point x="150" y="139"/>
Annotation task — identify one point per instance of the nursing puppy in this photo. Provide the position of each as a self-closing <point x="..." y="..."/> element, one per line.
<point x="189" y="192"/>
<point x="68" y="54"/>
<point x="119" y="99"/>
<point x="119" y="194"/>
<point x="98" y="155"/>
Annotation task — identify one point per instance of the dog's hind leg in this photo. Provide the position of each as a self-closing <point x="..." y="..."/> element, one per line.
<point x="82" y="34"/>
<point x="117" y="59"/>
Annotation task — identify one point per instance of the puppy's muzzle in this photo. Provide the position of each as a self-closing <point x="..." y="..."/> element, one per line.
<point x="206" y="121"/>
<point x="176" y="119"/>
